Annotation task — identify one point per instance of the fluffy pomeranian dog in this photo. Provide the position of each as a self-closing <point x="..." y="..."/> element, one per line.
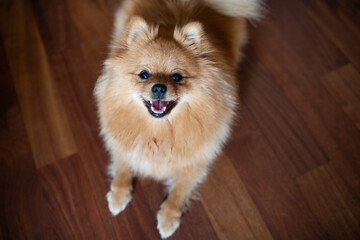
<point x="167" y="95"/>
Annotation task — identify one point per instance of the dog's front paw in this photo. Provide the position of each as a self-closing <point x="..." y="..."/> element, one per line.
<point x="118" y="200"/>
<point x="168" y="222"/>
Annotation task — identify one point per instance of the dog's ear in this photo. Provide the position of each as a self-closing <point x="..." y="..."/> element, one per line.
<point x="191" y="35"/>
<point x="140" y="30"/>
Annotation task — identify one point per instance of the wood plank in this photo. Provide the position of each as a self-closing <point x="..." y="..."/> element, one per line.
<point x="7" y="91"/>
<point x="329" y="198"/>
<point x="300" y="32"/>
<point x="348" y="12"/>
<point x="344" y="86"/>
<point x="314" y="104"/>
<point x="229" y="206"/>
<point x="344" y="39"/>
<point x="22" y="205"/>
<point x="281" y="83"/>
<point x="277" y="117"/>
<point x="51" y="22"/>
<point x="270" y="184"/>
<point x="75" y="21"/>
<point x="70" y="201"/>
<point x="351" y="8"/>
<point x="84" y="12"/>
<point x="41" y="105"/>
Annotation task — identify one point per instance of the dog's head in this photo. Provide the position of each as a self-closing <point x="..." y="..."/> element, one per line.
<point x="161" y="71"/>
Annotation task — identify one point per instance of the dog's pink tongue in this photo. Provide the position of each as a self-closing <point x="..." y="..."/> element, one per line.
<point x="158" y="104"/>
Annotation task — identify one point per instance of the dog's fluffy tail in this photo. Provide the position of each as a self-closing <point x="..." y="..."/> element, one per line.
<point x="250" y="9"/>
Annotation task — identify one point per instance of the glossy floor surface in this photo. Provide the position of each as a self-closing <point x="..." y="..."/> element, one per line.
<point x="290" y="171"/>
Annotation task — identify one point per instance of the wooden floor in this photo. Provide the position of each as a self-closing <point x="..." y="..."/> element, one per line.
<point x="290" y="171"/>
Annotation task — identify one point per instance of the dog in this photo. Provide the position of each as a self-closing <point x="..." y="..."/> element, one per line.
<point x="167" y="95"/>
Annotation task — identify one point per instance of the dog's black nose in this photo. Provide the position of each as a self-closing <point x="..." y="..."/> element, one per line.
<point x="159" y="90"/>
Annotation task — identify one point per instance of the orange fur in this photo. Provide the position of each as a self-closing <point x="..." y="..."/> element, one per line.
<point x="163" y="37"/>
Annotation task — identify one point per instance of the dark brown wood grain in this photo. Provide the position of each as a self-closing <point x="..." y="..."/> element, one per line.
<point x="290" y="170"/>
<point x="22" y="204"/>
<point x="70" y="202"/>
<point x="236" y="215"/>
<point x="344" y="85"/>
<point x="280" y="203"/>
<point x="338" y="216"/>
<point x="41" y="105"/>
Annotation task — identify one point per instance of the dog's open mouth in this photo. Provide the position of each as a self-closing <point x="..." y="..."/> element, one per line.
<point x="158" y="107"/>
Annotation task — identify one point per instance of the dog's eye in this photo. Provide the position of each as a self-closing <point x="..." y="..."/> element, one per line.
<point x="144" y="74"/>
<point x="176" y="77"/>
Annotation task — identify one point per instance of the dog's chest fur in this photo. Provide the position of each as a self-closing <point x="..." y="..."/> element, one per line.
<point x="160" y="148"/>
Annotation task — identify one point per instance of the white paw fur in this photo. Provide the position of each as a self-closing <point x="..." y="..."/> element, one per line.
<point x="167" y="224"/>
<point x="118" y="201"/>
